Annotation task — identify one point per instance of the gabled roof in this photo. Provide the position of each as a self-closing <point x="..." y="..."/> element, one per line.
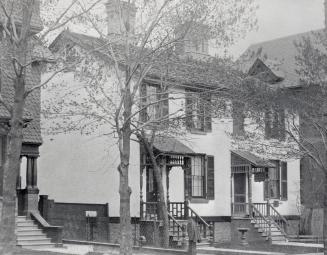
<point x="282" y="52"/>
<point x="211" y="73"/>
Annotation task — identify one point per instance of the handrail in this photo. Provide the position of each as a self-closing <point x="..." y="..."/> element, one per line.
<point x="279" y="215"/>
<point x="175" y="221"/>
<point x="180" y="228"/>
<point x="199" y="217"/>
<point x="260" y="214"/>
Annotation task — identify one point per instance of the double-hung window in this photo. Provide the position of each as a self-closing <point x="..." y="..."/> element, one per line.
<point x="198" y="111"/>
<point x="275" y="124"/>
<point x="275" y="186"/>
<point x="155" y="105"/>
<point x="200" y="177"/>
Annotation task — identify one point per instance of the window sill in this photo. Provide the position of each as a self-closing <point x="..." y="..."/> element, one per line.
<point x="199" y="200"/>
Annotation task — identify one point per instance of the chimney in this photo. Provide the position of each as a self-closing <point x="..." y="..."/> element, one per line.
<point x="120" y="17"/>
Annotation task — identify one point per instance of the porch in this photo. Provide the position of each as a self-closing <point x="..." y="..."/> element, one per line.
<point x="246" y="170"/>
<point x="176" y="161"/>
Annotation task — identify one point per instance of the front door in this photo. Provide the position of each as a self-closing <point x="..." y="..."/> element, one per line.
<point x="239" y="205"/>
<point x="151" y="186"/>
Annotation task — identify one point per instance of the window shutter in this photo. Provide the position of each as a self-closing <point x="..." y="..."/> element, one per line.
<point x="283" y="191"/>
<point x="188" y="110"/>
<point x="281" y="125"/>
<point x="238" y="119"/>
<point x="165" y="104"/>
<point x="266" y="184"/>
<point x="143" y="100"/>
<point x="268" y="124"/>
<point x="207" y="114"/>
<point x="187" y="178"/>
<point x="210" y="177"/>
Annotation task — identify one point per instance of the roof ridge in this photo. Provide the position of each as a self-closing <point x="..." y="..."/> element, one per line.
<point x="283" y="38"/>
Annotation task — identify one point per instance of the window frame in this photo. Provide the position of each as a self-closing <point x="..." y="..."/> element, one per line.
<point x="203" y="111"/>
<point x="280" y="165"/>
<point x="161" y="109"/>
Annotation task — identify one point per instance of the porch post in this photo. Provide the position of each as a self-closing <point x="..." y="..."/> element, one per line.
<point x="31" y="191"/>
<point x="168" y="168"/>
<point x="250" y="190"/>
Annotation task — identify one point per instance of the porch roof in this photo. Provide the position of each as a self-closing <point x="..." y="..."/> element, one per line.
<point x="253" y="159"/>
<point x="171" y="146"/>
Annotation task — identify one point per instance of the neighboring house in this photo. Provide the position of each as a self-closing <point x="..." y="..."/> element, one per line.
<point x="203" y="176"/>
<point x="27" y="186"/>
<point x="276" y="62"/>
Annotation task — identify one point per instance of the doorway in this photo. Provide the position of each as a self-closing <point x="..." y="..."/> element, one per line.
<point x="240" y="194"/>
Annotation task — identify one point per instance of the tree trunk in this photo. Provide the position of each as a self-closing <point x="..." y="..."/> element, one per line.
<point x="11" y="170"/>
<point x="325" y="217"/>
<point x="126" y="242"/>
<point x="162" y="206"/>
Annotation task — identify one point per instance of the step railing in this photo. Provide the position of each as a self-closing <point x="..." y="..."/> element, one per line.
<point x="206" y="230"/>
<point x="279" y="220"/>
<point x="175" y="228"/>
<point x="263" y="223"/>
<point x="267" y="211"/>
<point x="177" y="211"/>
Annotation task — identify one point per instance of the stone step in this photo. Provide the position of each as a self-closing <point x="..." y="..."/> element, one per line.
<point x="37" y="246"/>
<point x="23" y="232"/>
<point x="25" y="223"/>
<point x="21" y="228"/>
<point x="30" y="237"/>
<point x="34" y="241"/>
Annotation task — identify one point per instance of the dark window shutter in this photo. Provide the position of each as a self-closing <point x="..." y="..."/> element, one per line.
<point x="188" y="109"/>
<point x="266" y="184"/>
<point x="281" y="125"/>
<point x="283" y="180"/>
<point x="268" y="124"/>
<point x="187" y="178"/>
<point x="210" y="178"/>
<point x="143" y="113"/>
<point x="238" y="119"/>
<point x="207" y="114"/>
<point x="165" y="104"/>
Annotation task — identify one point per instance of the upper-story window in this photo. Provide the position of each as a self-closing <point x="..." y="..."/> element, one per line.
<point x="238" y="119"/>
<point x="198" y="111"/>
<point x="275" y="124"/>
<point x="155" y="102"/>
<point x="275" y="186"/>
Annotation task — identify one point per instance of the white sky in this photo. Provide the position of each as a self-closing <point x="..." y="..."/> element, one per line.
<point x="278" y="18"/>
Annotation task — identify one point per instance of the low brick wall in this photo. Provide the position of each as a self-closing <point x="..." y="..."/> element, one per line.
<point x="222" y="232"/>
<point x="72" y="216"/>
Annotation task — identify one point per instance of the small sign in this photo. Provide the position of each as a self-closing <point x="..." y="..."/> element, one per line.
<point x="91" y="214"/>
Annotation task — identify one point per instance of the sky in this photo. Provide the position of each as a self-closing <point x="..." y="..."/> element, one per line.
<point x="279" y="18"/>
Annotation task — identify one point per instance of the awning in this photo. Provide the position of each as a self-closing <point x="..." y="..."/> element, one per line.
<point x="171" y="146"/>
<point x="254" y="160"/>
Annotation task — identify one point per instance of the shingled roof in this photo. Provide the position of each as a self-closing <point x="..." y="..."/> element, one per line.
<point x="211" y="72"/>
<point x="279" y="54"/>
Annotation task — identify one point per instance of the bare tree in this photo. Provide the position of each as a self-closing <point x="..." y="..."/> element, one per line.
<point x="19" y="26"/>
<point x="118" y="67"/>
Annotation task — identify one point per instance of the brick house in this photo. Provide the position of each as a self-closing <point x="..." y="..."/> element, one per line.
<point x="204" y="176"/>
